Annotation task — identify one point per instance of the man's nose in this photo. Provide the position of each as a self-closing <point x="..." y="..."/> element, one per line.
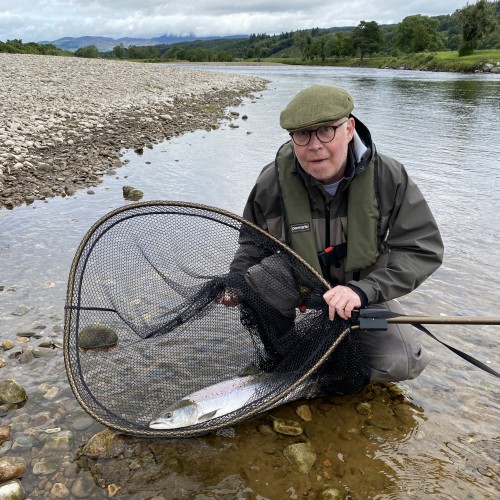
<point x="314" y="142"/>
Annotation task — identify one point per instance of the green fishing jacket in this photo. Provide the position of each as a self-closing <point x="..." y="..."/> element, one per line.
<point x="393" y="242"/>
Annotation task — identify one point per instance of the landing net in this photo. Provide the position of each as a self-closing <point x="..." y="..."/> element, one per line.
<point x="145" y="324"/>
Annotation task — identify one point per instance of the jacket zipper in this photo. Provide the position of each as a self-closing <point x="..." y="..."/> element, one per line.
<point x="326" y="272"/>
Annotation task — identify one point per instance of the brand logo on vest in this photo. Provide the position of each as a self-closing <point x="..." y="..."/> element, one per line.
<point x="300" y="228"/>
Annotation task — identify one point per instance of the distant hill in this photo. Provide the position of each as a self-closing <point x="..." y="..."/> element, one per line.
<point x="104" y="44"/>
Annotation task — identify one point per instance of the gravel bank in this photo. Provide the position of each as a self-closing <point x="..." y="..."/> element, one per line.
<point x="64" y="120"/>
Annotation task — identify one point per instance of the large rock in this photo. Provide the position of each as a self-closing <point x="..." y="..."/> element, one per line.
<point x="105" y="444"/>
<point x="97" y="336"/>
<point x="11" y="467"/>
<point x="12" y="392"/>
<point x="12" y="490"/>
<point x="301" y="455"/>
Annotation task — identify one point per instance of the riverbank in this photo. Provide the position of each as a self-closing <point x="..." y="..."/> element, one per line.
<point x="64" y="121"/>
<point x="482" y="61"/>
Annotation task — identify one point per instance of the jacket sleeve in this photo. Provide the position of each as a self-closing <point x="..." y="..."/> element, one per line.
<point x="249" y="251"/>
<point x="412" y="239"/>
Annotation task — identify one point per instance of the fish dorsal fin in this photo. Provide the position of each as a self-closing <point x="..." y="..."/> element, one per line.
<point x="207" y="416"/>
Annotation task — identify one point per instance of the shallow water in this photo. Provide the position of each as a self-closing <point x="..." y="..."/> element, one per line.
<point x="445" y="129"/>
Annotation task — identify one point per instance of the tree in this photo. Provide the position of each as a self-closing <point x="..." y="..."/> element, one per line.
<point x="89" y="52"/>
<point x="367" y="37"/>
<point x="318" y="47"/>
<point x="119" y="51"/>
<point x="418" y="33"/>
<point x="475" y="21"/>
<point x="339" y="45"/>
<point x="302" y="40"/>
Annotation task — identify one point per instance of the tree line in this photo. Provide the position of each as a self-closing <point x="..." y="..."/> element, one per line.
<point x="17" y="46"/>
<point x="475" y="26"/>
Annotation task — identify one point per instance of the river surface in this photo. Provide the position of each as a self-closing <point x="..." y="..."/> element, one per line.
<point x="444" y="127"/>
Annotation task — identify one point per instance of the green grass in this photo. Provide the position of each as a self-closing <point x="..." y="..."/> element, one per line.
<point x="430" y="61"/>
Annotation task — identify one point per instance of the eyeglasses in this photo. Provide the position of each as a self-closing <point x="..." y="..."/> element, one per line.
<point x="325" y="133"/>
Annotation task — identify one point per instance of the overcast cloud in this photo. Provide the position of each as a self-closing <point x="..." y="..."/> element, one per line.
<point x="33" y="21"/>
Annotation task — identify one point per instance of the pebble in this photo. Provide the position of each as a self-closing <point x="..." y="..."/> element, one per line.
<point x="301" y="455"/>
<point x="304" y="412"/>
<point x="12" y="490"/>
<point x="7" y="344"/>
<point x="46" y="465"/>
<point x="287" y="426"/>
<point x="11" y="391"/>
<point x="60" y="490"/>
<point x="5" y="433"/>
<point x="11" y="468"/>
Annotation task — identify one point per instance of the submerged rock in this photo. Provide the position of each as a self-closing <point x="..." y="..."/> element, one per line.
<point x="304" y="412"/>
<point x="287" y="426"/>
<point x="11" y="467"/>
<point x="12" y="392"/>
<point x="132" y="194"/>
<point x="105" y="444"/>
<point x="5" y="433"/>
<point x="301" y="455"/>
<point x="12" y="490"/>
<point x="97" y="336"/>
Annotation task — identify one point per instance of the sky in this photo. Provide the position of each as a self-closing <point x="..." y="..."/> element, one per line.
<point x="48" y="20"/>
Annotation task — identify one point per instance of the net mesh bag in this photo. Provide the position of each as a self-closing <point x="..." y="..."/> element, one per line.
<point x="167" y="298"/>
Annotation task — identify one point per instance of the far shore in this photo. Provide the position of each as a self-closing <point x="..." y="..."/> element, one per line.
<point x="481" y="61"/>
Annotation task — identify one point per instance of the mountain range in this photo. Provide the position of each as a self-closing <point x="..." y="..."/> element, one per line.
<point x="106" y="43"/>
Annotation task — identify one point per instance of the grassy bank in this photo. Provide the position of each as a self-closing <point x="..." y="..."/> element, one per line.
<point x="429" y="61"/>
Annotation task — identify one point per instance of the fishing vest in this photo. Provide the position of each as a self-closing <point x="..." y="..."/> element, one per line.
<point x="363" y="242"/>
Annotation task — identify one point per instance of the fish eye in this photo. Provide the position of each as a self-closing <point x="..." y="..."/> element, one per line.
<point x="168" y="414"/>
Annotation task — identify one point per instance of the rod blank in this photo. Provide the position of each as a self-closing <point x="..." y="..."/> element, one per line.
<point x="446" y="320"/>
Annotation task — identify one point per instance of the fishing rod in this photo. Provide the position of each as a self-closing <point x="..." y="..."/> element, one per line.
<point x="377" y="318"/>
<point x="379" y="313"/>
<point x="447" y="320"/>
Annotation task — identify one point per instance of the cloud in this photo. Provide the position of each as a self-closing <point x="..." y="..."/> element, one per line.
<point x="51" y="19"/>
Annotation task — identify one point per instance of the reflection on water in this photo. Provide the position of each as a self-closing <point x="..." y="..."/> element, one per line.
<point x="445" y="129"/>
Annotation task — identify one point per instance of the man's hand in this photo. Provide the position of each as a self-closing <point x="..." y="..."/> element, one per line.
<point x="229" y="297"/>
<point x="341" y="300"/>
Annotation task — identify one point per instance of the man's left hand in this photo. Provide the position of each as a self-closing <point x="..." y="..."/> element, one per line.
<point x="341" y="300"/>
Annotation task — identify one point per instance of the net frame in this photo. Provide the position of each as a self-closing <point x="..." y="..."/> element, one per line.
<point x="73" y="308"/>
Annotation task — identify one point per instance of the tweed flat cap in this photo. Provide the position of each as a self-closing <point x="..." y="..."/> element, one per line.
<point x="316" y="105"/>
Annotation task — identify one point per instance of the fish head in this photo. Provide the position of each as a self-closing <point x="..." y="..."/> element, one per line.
<point x="181" y="414"/>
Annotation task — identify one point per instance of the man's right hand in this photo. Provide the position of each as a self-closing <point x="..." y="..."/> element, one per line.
<point x="229" y="298"/>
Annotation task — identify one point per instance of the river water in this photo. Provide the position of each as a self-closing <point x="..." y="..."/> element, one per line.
<point x="444" y="127"/>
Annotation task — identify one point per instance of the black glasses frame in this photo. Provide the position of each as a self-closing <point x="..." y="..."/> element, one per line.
<point x="310" y="132"/>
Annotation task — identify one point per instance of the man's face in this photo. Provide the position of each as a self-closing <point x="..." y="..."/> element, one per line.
<point x="326" y="162"/>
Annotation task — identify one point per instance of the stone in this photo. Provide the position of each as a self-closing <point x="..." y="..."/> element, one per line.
<point x="301" y="455"/>
<point x="12" y="490"/>
<point x="304" y="412"/>
<point x="287" y="426"/>
<point x="97" y="336"/>
<point x="83" y="486"/>
<point x="12" y="392"/>
<point x="60" y="441"/>
<point x="46" y="465"/>
<point x="364" y="408"/>
<point x="105" y="444"/>
<point x="5" y="433"/>
<point x="60" y="490"/>
<point x="7" y="344"/>
<point x="331" y="493"/>
<point x="11" y="468"/>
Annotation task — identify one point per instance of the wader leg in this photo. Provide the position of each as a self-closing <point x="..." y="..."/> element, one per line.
<point x="395" y="354"/>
